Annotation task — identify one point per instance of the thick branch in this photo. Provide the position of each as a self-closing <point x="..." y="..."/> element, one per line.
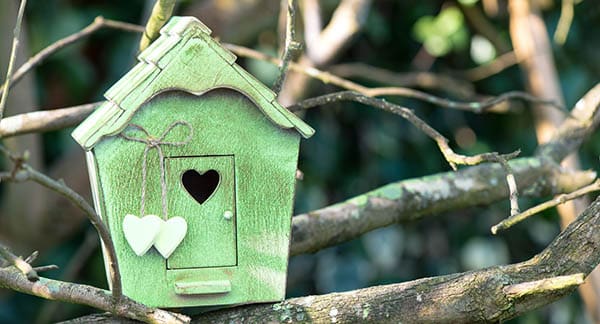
<point x="323" y="45"/>
<point x="24" y="172"/>
<point x="86" y="295"/>
<point x="584" y="120"/>
<point x="490" y="295"/>
<point x="410" y="200"/>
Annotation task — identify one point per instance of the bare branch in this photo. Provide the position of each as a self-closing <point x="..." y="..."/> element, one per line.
<point x="564" y="22"/>
<point x="291" y="46"/>
<point x="489" y="295"/>
<point x="560" y="199"/>
<point x="19" y="263"/>
<point x="13" y="56"/>
<point x="410" y="200"/>
<point x="329" y="78"/>
<point x="584" y="120"/>
<point x="541" y="286"/>
<point x="421" y="79"/>
<point x="98" y="24"/>
<point x="323" y="45"/>
<point x="453" y="158"/>
<point x="24" y="172"/>
<point x="44" y="121"/>
<point x="496" y="66"/>
<point x="87" y="295"/>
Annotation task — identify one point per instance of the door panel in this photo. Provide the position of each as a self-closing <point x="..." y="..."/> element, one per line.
<point x="202" y="191"/>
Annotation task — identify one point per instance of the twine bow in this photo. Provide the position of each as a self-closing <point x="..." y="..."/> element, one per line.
<point x="156" y="142"/>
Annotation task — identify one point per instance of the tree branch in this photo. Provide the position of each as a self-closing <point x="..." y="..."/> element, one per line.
<point x="412" y="199"/>
<point x="290" y="46"/>
<point x="421" y="79"/>
<point x="494" y="294"/>
<point x="24" y="172"/>
<point x="87" y="295"/>
<point x="13" y="56"/>
<point x="18" y="263"/>
<point x="560" y="199"/>
<point x="44" y="121"/>
<point x="329" y="78"/>
<point x="453" y="158"/>
<point x="96" y="25"/>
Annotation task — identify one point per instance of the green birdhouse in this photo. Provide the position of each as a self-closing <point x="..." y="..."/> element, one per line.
<point x="192" y="163"/>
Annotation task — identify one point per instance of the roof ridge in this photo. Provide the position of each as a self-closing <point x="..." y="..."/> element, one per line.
<point x="178" y="37"/>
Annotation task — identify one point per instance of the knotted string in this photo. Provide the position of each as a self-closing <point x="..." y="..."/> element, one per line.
<point x="153" y="142"/>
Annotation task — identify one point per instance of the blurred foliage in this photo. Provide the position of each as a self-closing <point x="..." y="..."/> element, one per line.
<point x="442" y="33"/>
<point x="356" y="148"/>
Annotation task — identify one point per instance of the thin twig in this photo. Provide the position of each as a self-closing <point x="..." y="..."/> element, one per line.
<point x="421" y="79"/>
<point x="560" y="199"/>
<point x="96" y="25"/>
<point x="13" y="56"/>
<point x="32" y="257"/>
<point x="291" y="46"/>
<point x="513" y="193"/>
<point x="46" y="268"/>
<point x="452" y="158"/>
<point x="329" y="78"/>
<point x="19" y="263"/>
<point x="24" y="171"/>
<point x="496" y="66"/>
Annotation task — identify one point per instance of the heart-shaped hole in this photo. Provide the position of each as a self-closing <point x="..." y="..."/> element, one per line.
<point x="200" y="186"/>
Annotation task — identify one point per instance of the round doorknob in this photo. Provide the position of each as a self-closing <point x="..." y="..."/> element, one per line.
<point x="228" y="215"/>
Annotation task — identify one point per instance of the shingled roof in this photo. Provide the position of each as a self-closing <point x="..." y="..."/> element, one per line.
<point x="184" y="57"/>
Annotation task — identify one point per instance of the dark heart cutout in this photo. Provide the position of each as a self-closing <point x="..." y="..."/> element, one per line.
<point x="200" y="186"/>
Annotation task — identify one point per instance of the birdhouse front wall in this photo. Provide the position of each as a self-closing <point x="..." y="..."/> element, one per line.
<point x="236" y="247"/>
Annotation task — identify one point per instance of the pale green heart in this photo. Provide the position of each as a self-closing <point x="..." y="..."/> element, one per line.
<point x="172" y="233"/>
<point x="141" y="233"/>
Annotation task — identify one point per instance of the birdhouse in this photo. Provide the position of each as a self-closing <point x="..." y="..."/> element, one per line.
<point x="192" y="164"/>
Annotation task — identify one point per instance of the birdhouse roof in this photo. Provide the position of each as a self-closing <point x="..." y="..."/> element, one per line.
<point x="185" y="58"/>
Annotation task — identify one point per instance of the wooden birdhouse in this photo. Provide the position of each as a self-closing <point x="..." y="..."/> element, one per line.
<point x="192" y="163"/>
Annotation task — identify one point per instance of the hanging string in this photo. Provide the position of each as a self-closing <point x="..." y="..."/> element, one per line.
<point x="154" y="142"/>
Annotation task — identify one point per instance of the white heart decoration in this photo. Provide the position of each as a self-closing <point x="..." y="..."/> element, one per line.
<point x="172" y="233"/>
<point x="141" y="233"/>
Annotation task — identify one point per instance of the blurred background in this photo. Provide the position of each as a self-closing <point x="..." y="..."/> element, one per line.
<point x="355" y="149"/>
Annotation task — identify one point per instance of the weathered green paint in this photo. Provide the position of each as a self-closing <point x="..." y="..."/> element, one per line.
<point x="236" y="247"/>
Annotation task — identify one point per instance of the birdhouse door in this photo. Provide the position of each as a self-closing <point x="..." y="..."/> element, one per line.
<point x="201" y="189"/>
